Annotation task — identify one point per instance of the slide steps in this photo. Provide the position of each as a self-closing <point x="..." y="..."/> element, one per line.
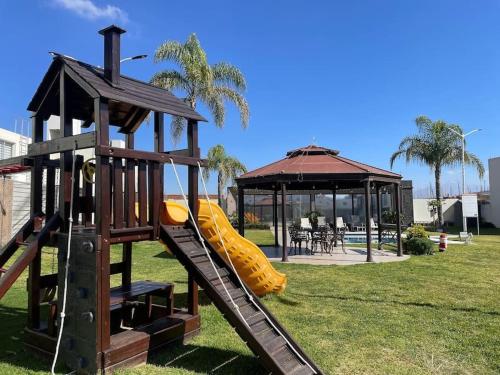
<point x="278" y="353"/>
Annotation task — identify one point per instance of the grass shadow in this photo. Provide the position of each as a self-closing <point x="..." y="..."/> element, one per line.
<point x="287" y="301"/>
<point x="12" y="349"/>
<point x="206" y="360"/>
<point x="394" y="302"/>
<point x="164" y="255"/>
<point x="182" y="298"/>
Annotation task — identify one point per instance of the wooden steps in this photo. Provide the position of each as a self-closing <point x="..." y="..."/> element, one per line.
<point x="263" y="334"/>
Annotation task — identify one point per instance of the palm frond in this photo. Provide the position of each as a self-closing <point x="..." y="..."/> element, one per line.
<point x="215" y="104"/>
<point x="229" y="75"/>
<point x="177" y="127"/>
<point x="170" y="51"/>
<point x="195" y="62"/>
<point x="170" y="80"/>
<point x="473" y="160"/>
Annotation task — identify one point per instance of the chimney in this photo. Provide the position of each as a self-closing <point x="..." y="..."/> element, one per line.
<point x="112" y="53"/>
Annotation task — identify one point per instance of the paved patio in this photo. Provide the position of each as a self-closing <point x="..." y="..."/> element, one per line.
<point x="353" y="256"/>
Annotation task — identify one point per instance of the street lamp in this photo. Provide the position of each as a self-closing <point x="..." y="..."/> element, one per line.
<point x="138" y="57"/>
<point x="462" y="136"/>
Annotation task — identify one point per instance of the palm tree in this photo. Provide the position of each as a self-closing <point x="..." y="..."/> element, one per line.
<point x="227" y="168"/>
<point x="436" y="146"/>
<point x="212" y="85"/>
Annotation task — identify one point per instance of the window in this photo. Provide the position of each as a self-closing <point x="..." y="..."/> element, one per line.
<point x="5" y="149"/>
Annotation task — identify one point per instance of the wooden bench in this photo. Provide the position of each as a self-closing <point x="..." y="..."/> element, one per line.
<point x="122" y="295"/>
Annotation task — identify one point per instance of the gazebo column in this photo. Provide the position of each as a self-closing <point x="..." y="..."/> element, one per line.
<point x="241" y="211"/>
<point x="334" y="214"/>
<point x="369" y="257"/>
<point x="275" y="217"/>
<point x="284" y="256"/>
<point x="379" y="216"/>
<point x="397" y="198"/>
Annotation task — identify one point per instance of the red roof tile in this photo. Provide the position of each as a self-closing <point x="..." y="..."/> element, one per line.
<point x="316" y="160"/>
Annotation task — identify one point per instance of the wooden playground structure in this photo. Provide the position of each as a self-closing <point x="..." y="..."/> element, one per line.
<point x="91" y="326"/>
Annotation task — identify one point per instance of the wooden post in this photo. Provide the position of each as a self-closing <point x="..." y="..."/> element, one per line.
<point x="379" y="216"/>
<point x="129" y="216"/>
<point x="334" y="214"/>
<point x="36" y="208"/>
<point x="50" y="192"/>
<point x="103" y="220"/>
<point x="369" y="257"/>
<point x="241" y="211"/>
<point x="284" y="257"/>
<point x="36" y="170"/>
<point x="156" y="176"/>
<point x="192" y="135"/>
<point x="397" y="197"/>
<point x="275" y="217"/>
<point x="160" y="144"/>
<point x="66" y="130"/>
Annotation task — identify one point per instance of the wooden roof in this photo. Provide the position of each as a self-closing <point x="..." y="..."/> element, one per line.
<point x="315" y="164"/>
<point x="130" y="91"/>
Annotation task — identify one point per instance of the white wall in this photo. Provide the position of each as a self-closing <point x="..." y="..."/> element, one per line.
<point x="421" y="210"/>
<point x="493" y="214"/>
<point x="20" y="205"/>
<point x="19" y="147"/>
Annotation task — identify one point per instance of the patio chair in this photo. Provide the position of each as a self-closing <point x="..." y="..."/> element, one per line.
<point x="373" y="224"/>
<point x="340" y="222"/>
<point x="319" y="238"/>
<point x="321" y="221"/>
<point x="466" y="237"/>
<point x="297" y="236"/>
<point x="338" y="236"/>
<point x="305" y="224"/>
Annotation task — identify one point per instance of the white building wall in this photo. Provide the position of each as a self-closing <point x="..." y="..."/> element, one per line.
<point x="422" y="214"/>
<point x="494" y="175"/>
<point x="20" y="204"/>
<point x="19" y="147"/>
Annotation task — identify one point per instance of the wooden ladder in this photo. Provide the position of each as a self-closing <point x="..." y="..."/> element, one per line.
<point x="263" y="334"/>
<point x="32" y="239"/>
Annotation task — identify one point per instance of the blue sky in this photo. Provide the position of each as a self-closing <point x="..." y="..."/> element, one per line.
<point x="348" y="75"/>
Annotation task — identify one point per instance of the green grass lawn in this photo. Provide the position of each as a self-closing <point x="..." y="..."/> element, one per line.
<point x="429" y="315"/>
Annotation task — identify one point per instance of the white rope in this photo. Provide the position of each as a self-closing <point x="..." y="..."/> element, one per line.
<point x="66" y="267"/>
<point x="202" y="240"/>
<point x="250" y="296"/>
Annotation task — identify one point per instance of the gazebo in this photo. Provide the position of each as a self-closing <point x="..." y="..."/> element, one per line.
<point x="318" y="168"/>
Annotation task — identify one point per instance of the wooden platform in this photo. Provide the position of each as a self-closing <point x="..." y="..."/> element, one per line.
<point x="129" y="347"/>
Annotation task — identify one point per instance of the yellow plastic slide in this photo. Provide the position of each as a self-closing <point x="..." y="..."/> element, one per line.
<point x="250" y="262"/>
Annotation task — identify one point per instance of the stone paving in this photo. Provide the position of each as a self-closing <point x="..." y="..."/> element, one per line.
<point x="353" y="256"/>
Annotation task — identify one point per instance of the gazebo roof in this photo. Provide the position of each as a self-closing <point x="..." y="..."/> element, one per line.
<point x="315" y="163"/>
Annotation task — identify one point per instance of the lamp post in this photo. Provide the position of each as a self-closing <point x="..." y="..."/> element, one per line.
<point x="138" y="57"/>
<point x="462" y="136"/>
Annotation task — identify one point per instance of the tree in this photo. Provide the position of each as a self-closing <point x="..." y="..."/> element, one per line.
<point x="436" y="146"/>
<point x="213" y="85"/>
<point x="226" y="167"/>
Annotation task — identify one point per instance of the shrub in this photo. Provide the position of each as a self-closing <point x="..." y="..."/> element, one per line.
<point x="420" y="246"/>
<point x="416" y="231"/>
<point x="313" y="218"/>
<point x="389" y="217"/>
